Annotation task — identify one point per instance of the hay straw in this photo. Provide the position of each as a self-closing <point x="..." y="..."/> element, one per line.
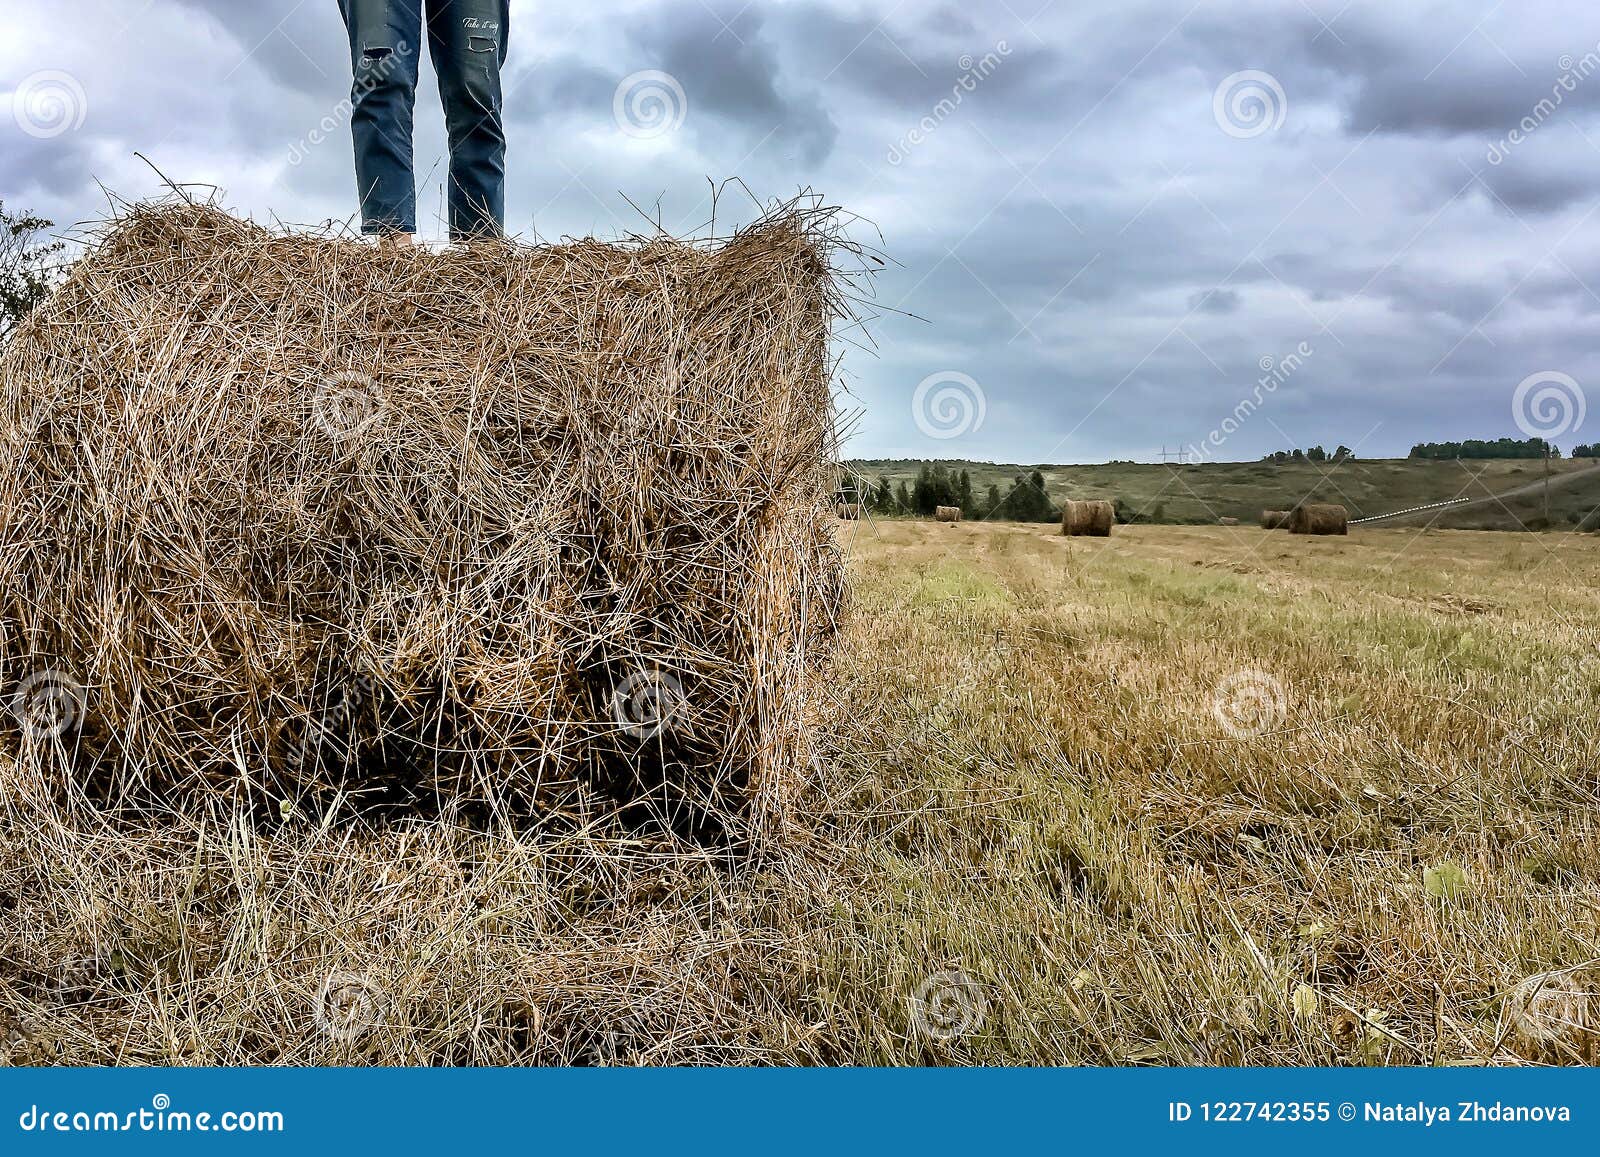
<point x="1274" y="520"/>
<point x="1319" y="518"/>
<point x="284" y="516"/>
<point x="1093" y="518"/>
<point x="947" y="513"/>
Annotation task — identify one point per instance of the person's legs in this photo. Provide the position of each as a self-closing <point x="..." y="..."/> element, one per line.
<point x="385" y="46"/>
<point x="468" y="41"/>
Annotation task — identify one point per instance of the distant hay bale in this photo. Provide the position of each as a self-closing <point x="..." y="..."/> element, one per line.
<point x="1226" y="520"/>
<point x="1274" y="520"/>
<point x="1092" y="518"/>
<point x="541" y="527"/>
<point x="1319" y="518"/>
<point x="849" y="510"/>
<point x="947" y="513"/>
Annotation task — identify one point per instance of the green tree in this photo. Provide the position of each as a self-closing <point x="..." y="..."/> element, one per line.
<point x="28" y="270"/>
<point x="883" y="497"/>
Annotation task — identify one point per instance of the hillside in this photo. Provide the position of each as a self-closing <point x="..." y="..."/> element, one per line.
<point x="1203" y="493"/>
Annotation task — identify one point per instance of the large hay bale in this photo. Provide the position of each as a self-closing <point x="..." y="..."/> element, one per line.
<point x="1227" y="520"/>
<point x="851" y="511"/>
<point x="283" y="514"/>
<point x="1093" y="517"/>
<point x="947" y="513"/>
<point x="1274" y="520"/>
<point x="1319" y="518"/>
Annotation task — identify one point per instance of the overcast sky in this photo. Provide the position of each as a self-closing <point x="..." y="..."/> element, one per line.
<point x="1109" y="223"/>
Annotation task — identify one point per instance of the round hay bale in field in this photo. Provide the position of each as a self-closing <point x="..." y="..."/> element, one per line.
<point x="1227" y="520"/>
<point x="1319" y="518"/>
<point x="537" y="527"/>
<point x="850" y="511"/>
<point x="1274" y="520"/>
<point x="1094" y="517"/>
<point x="947" y="513"/>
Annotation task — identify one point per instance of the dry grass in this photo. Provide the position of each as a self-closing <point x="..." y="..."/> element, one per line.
<point x="1202" y="795"/>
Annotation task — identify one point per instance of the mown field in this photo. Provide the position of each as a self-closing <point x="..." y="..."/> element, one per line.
<point x="1202" y="493"/>
<point x="1185" y="795"/>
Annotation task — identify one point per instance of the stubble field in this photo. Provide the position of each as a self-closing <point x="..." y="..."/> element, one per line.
<point x="1187" y="795"/>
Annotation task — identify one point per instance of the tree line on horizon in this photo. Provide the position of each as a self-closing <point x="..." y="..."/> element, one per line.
<point x="1309" y="454"/>
<point x="1498" y="448"/>
<point x="935" y="485"/>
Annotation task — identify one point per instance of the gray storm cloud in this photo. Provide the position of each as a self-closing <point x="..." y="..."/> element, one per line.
<point x="1106" y="217"/>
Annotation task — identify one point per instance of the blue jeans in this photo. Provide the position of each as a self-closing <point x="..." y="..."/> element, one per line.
<point x="467" y="41"/>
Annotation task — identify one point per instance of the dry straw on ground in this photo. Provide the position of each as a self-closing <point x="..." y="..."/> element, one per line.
<point x="947" y="513"/>
<point x="1092" y="518"/>
<point x="545" y="527"/>
<point x="850" y="511"/>
<point x="1319" y="518"/>
<point x="1274" y="520"/>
